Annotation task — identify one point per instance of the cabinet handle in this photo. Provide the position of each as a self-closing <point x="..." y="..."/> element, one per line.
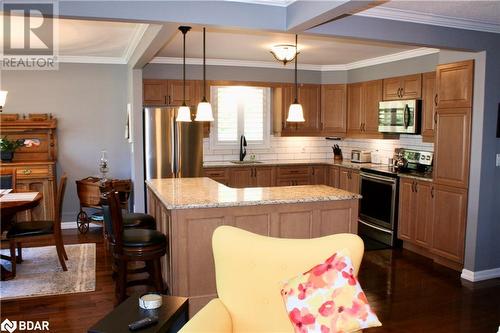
<point x="416" y="187"/>
<point x="313" y="171"/>
<point x="432" y="191"/>
<point x="165" y="99"/>
<point x="435" y="117"/>
<point x="169" y="100"/>
<point x="399" y="92"/>
<point x="27" y="172"/>
<point x="364" y="127"/>
<point x="436" y="100"/>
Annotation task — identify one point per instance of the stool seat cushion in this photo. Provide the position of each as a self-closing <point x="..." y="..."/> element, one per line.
<point x="31" y="228"/>
<point x="138" y="220"/>
<point x="142" y="238"/>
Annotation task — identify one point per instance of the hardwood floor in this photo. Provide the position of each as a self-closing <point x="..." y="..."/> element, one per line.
<point x="408" y="292"/>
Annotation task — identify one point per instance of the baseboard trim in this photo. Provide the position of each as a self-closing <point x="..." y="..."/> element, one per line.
<point x="487" y="274"/>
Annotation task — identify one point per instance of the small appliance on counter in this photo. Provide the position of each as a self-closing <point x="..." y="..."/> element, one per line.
<point x="399" y="116"/>
<point x="361" y="156"/>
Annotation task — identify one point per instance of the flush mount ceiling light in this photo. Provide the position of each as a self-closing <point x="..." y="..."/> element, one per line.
<point x="284" y="52"/>
<point x="184" y="113"/>
<point x="295" y="112"/>
<point x="204" y="110"/>
<point x="3" y="98"/>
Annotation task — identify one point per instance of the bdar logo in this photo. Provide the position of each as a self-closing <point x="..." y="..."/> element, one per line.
<point x="8" y="325"/>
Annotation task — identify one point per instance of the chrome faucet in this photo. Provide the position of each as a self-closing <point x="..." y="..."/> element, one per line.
<point x="243" y="151"/>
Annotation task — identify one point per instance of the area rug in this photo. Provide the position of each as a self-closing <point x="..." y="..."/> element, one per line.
<point x="40" y="273"/>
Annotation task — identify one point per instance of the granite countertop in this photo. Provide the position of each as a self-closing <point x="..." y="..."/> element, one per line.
<point x="186" y="193"/>
<point x="344" y="163"/>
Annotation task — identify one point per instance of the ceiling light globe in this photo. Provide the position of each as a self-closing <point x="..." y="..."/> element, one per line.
<point x="204" y="112"/>
<point x="284" y="52"/>
<point x="183" y="114"/>
<point x="295" y="113"/>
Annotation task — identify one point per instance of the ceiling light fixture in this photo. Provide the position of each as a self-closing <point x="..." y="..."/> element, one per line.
<point x="295" y="112"/>
<point x="3" y="98"/>
<point x="284" y="52"/>
<point x="184" y="113"/>
<point x="204" y="110"/>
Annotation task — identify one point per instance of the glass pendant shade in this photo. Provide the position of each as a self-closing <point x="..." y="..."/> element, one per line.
<point x="184" y="114"/>
<point x="295" y="113"/>
<point x="3" y="97"/>
<point x="204" y="112"/>
<point x="284" y="52"/>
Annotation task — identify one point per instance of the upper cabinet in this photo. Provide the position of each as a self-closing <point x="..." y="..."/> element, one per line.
<point x="334" y="109"/>
<point x="428" y="113"/>
<point x="362" y="108"/>
<point x="454" y="85"/>
<point x="309" y="96"/>
<point x="170" y="92"/>
<point x="403" y="87"/>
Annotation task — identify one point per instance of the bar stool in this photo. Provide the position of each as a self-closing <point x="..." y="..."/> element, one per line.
<point x="133" y="244"/>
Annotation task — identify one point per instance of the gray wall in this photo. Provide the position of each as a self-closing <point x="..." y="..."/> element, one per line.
<point x="89" y="102"/>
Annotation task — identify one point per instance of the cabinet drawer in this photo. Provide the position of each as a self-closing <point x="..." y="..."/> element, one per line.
<point x="39" y="171"/>
<point x="293" y="171"/>
<point x="293" y="181"/>
<point x="215" y="173"/>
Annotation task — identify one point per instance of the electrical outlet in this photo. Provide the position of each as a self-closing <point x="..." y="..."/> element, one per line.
<point x="498" y="160"/>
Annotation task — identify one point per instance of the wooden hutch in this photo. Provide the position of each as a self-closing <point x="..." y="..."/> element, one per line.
<point x="36" y="165"/>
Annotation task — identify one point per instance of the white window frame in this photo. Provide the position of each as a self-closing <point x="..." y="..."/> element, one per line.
<point x="264" y="144"/>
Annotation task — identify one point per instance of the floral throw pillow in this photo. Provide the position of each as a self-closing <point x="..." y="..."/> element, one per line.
<point x="328" y="299"/>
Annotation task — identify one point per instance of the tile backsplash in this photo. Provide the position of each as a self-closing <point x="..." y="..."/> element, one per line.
<point x="291" y="148"/>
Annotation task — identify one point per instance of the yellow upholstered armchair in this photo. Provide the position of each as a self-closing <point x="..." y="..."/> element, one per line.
<point x="250" y="270"/>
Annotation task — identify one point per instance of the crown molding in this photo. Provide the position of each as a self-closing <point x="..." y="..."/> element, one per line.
<point x="323" y="68"/>
<point x="135" y="39"/>
<point x="429" y="18"/>
<point x="91" y="60"/>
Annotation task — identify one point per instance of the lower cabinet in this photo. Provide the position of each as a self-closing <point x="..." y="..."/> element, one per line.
<point x="220" y="175"/>
<point x="433" y="216"/>
<point x="318" y="175"/>
<point x="349" y="180"/>
<point x="333" y="176"/>
<point x="251" y="177"/>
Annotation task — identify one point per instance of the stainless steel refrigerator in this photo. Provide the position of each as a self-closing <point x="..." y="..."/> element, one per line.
<point x="171" y="149"/>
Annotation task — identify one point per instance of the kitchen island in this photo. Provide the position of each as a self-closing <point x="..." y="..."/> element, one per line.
<point x="188" y="210"/>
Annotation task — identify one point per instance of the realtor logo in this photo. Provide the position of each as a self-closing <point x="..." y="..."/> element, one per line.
<point x="9" y="326"/>
<point x="29" y="35"/>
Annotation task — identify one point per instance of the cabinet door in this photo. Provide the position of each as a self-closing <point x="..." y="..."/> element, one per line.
<point x="176" y="91"/>
<point x="218" y="174"/>
<point x="372" y="96"/>
<point x="334" y="108"/>
<point x="392" y="88"/>
<point x="411" y="86"/>
<point x="241" y="177"/>
<point x="406" y="209"/>
<point x="264" y="176"/>
<point x="448" y="235"/>
<point x="354" y="182"/>
<point x="454" y="84"/>
<point x="309" y="96"/>
<point x="424" y="214"/>
<point x="354" y="107"/>
<point x="333" y="176"/>
<point x="45" y="209"/>
<point x="154" y="92"/>
<point x="344" y="179"/>
<point x="318" y="175"/>
<point x="452" y="147"/>
<point x="428" y="106"/>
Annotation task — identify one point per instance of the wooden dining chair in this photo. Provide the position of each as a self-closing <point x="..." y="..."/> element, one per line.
<point x="7" y="178"/>
<point x="132" y="245"/>
<point x="29" y="230"/>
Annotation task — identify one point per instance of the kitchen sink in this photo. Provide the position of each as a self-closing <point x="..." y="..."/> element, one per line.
<point x="246" y="162"/>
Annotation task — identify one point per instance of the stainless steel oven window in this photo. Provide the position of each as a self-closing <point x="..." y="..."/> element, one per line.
<point x="378" y="205"/>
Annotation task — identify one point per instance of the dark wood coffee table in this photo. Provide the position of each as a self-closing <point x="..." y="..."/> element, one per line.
<point x="172" y="315"/>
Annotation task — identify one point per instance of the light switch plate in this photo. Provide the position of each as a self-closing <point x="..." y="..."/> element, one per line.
<point x="498" y="160"/>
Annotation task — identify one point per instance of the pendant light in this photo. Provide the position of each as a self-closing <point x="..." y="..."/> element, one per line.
<point x="204" y="110"/>
<point x="184" y="113"/>
<point x="295" y="112"/>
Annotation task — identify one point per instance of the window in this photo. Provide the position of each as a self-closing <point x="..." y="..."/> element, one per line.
<point x="240" y="110"/>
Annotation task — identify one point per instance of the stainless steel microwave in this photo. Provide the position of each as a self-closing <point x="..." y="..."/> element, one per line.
<point x="399" y="116"/>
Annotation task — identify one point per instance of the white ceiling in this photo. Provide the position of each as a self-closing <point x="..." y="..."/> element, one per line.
<point x="255" y="46"/>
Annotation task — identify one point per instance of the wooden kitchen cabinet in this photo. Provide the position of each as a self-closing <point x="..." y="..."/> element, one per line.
<point x="333" y="176"/>
<point x="334" y="109"/>
<point x="251" y="177"/>
<point x="310" y="98"/>
<point x="428" y="114"/>
<point x="403" y="87"/>
<point x="362" y="109"/>
<point x="292" y="175"/>
<point x="264" y="176"/>
<point x="416" y="211"/>
<point x="220" y="175"/>
<point x="452" y="147"/>
<point x="454" y="84"/>
<point x="318" y="175"/>
<point x="450" y="216"/>
<point x="170" y="92"/>
<point x="349" y="180"/>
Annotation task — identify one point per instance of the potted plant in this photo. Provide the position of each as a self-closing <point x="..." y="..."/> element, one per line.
<point x="8" y="147"/>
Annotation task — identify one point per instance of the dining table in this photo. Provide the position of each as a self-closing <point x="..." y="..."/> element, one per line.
<point x="8" y="211"/>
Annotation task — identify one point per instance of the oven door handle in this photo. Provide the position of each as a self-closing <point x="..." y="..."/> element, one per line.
<point x="375" y="227"/>
<point x="406" y="116"/>
<point x="379" y="178"/>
